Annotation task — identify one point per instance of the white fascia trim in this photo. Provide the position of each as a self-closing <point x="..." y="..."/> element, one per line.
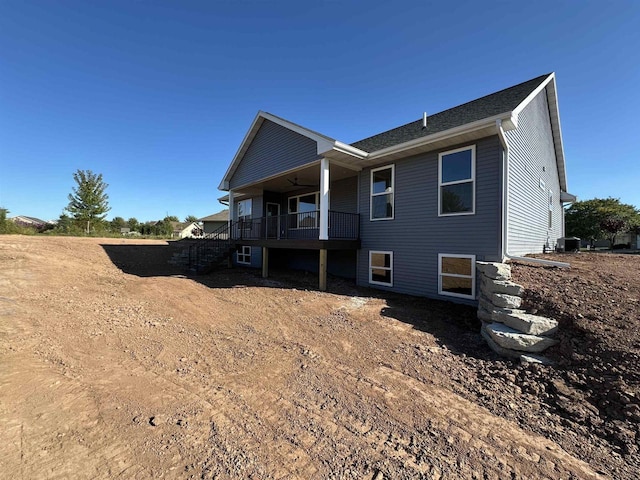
<point x="507" y="118"/>
<point x="532" y="95"/>
<point x="556" y="129"/>
<point x="346" y="149"/>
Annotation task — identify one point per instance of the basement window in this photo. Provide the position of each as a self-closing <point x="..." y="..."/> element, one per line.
<point x="381" y="268"/>
<point x="457" y="275"/>
<point x="243" y="255"/>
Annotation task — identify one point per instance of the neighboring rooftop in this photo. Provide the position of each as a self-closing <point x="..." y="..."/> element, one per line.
<point x="488" y="106"/>
<point x="222" y="216"/>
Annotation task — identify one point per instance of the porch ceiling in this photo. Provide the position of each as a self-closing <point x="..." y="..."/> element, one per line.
<point x="306" y="178"/>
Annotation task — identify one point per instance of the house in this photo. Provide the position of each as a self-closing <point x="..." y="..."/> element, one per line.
<point x="186" y="230"/>
<point x="409" y="210"/>
<point x="32" y="222"/>
<point x="215" y="221"/>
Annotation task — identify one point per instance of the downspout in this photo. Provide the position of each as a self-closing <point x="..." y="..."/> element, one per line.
<point x="505" y="205"/>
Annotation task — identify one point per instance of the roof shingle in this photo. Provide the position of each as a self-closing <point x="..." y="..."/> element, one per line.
<point x="487" y="106"/>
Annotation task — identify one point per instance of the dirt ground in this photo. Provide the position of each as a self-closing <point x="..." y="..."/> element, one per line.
<point x="115" y="365"/>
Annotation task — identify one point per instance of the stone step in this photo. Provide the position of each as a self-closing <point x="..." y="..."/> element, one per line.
<point x="489" y="286"/>
<point x="526" y="322"/>
<point x="489" y="312"/>
<point x="505" y="352"/>
<point x="507" y="337"/>
<point x="502" y="300"/>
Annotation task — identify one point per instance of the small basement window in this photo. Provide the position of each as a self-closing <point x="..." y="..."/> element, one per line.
<point x="457" y="275"/>
<point x="381" y="268"/>
<point x="243" y="255"/>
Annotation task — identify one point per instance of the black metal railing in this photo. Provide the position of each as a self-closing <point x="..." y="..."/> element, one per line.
<point x="292" y="226"/>
<point x="212" y="248"/>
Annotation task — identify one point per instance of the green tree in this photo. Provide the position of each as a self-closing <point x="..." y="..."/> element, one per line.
<point x="117" y="223"/>
<point x="597" y="218"/>
<point x="88" y="203"/>
<point x="171" y="218"/>
<point x="133" y="224"/>
<point x="190" y="218"/>
<point x="6" y="225"/>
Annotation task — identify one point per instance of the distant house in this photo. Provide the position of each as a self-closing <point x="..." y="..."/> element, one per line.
<point x="409" y="210"/>
<point x="31" y="222"/>
<point x="215" y="221"/>
<point x="186" y="230"/>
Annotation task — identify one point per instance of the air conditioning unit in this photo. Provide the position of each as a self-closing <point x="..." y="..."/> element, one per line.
<point x="569" y="244"/>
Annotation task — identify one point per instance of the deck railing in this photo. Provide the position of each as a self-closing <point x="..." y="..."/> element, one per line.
<point x="293" y="226"/>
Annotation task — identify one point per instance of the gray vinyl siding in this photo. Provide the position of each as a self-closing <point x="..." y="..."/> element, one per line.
<point x="344" y="195"/>
<point x="531" y="159"/>
<point x="417" y="234"/>
<point x="274" y="149"/>
<point x="257" y="211"/>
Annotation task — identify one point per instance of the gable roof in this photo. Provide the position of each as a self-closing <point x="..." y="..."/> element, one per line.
<point x="478" y="118"/>
<point x="222" y="216"/>
<point x="488" y="106"/>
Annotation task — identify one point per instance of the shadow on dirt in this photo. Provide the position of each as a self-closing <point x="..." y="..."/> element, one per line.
<point x="145" y="260"/>
<point x="454" y="326"/>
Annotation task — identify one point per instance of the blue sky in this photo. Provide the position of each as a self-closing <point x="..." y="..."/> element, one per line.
<point x="158" y="95"/>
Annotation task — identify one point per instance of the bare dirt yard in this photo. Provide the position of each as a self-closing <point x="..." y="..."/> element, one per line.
<point x="115" y="365"/>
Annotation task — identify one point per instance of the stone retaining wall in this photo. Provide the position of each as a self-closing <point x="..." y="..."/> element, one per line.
<point x="509" y="330"/>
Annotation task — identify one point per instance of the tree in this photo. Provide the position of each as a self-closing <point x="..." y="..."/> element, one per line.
<point x="117" y="224"/>
<point x="171" y="218"/>
<point x="89" y="202"/>
<point x="596" y="218"/>
<point x="190" y="219"/>
<point x="133" y="224"/>
<point x="612" y="225"/>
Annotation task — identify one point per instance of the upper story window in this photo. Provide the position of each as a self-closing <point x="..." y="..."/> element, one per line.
<point x="306" y="207"/>
<point x="243" y="207"/>
<point x="382" y="189"/>
<point x="456" y="181"/>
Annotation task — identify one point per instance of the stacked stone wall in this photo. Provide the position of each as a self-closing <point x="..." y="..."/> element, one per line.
<point x="509" y="330"/>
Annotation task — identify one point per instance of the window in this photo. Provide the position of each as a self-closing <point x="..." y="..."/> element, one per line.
<point x="243" y="255"/>
<point x="550" y="209"/>
<point x="382" y="185"/>
<point x="306" y="207"/>
<point x="457" y="275"/>
<point x="243" y="208"/>
<point x="381" y="268"/>
<point x="456" y="177"/>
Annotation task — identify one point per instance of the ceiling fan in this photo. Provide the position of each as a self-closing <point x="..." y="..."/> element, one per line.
<point x="295" y="183"/>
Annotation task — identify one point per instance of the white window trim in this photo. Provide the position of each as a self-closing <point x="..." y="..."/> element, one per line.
<point x="373" y="282"/>
<point x="244" y="254"/>
<point x="392" y="192"/>
<point x="472" y="180"/>
<point x="473" y="275"/>
<point x="317" y="217"/>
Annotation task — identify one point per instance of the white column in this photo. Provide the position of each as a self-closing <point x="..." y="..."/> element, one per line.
<point x="232" y="209"/>
<point x="324" y="199"/>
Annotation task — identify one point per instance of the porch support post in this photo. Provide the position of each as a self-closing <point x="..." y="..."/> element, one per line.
<point x="324" y="199"/>
<point x="322" y="283"/>
<point x="265" y="262"/>
<point x="232" y="208"/>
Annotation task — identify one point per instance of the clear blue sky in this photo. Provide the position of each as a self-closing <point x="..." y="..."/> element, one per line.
<point x="158" y="95"/>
